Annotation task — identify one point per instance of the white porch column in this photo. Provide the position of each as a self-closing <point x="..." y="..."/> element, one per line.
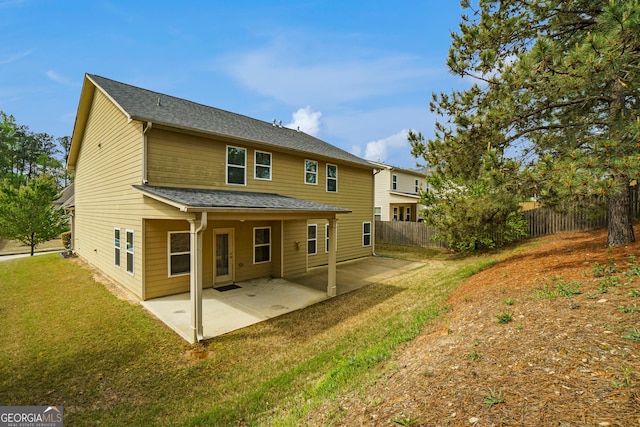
<point x="196" y="231"/>
<point x="333" y="247"/>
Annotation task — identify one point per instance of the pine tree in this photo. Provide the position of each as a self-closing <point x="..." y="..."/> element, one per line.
<point x="557" y="93"/>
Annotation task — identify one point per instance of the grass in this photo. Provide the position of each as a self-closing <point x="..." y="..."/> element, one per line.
<point x="68" y="341"/>
<point x="493" y="398"/>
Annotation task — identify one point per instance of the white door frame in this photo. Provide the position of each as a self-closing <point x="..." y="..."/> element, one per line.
<point x="230" y="276"/>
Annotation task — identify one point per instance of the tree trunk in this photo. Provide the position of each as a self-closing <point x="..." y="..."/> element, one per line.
<point x="620" y="217"/>
<point x="33" y="245"/>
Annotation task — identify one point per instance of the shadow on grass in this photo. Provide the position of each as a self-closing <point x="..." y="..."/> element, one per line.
<point x="301" y="325"/>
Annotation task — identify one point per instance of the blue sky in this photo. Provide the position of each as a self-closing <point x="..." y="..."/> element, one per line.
<point x="357" y="74"/>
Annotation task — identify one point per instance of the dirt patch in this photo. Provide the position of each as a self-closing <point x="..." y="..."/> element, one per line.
<point x="109" y="284"/>
<point x="557" y="360"/>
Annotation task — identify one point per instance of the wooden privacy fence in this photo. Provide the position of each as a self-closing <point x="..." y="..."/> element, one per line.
<point x="542" y="221"/>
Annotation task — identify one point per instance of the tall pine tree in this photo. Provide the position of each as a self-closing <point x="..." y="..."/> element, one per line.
<point x="558" y="90"/>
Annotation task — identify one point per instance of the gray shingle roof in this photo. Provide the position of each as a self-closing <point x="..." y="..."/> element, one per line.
<point x="211" y="199"/>
<point x="145" y="105"/>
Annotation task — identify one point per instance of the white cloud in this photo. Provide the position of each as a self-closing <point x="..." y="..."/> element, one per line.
<point x="60" y="79"/>
<point x="383" y="149"/>
<point x="15" y="57"/>
<point x="295" y="76"/>
<point x="307" y="120"/>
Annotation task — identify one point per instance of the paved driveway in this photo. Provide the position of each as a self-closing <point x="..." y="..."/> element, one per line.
<point x="258" y="300"/>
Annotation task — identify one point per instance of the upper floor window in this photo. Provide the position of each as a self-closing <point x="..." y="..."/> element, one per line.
<point x="310" y="172"/>
<point x="263" y="165"/>
<point x="394" y="182"/>
<point x="332" y="178"/>
<point x="417" y="186"/>
<point x="179" y="253"/>
<point x="236" y="165"/>
<point x="312" y="239"/>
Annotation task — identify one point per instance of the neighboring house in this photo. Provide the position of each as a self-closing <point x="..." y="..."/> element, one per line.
<point x="172" y="196"/>
<point x="397" y="193"/>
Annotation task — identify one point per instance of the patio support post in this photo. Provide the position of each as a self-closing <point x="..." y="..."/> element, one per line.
<point x="333" y="245"/>
<point x="196" y="230"/>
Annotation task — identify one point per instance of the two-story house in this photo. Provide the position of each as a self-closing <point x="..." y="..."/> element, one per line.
<point x="172" y="196"/>
<point x="397" y="193"/>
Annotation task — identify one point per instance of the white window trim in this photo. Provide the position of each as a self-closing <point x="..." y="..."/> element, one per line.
<point x="417" y="186"/>
<point x="326" y="240"/>
<point x="255" y="165"/>
<point x="365" y="234"/>
<point x="394" y="181"/>
<point x="118" y="247"/>
<point x="314" y="239"/>
<point x="328" y="178"/>
<point x="305" y="172"/>
<point x="132" y="252"/>
<point x="407" y="213"/>
<point x="261" y="245"/>
<point x="395" y="213"/>
<point x="244" y="168"/>
<point x="170" y="254"/>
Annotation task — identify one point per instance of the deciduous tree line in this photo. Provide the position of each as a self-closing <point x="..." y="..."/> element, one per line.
<point x="31" y="177"/>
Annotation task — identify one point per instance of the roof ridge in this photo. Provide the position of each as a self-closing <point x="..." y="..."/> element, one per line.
<point x="140" y="104"/>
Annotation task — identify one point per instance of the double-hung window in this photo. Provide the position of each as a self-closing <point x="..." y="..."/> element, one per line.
<point x="311" y="172"/>
<point x="262" y="165"/>
<point x="179" y="253"/>
<point x="312" y="239"/>
<point x="116" y="247"/>
<point x="129" y="249"/>
<point x="326" y="233"/>
<point x="366" y="234"/>
<point x="394" y="182"/>
<point x="332" y="178"/>
<point x="408" y="213"/>
<point x="236" y="165"/>
<point x="417" y="186"/>
<point x="261" y="244"/>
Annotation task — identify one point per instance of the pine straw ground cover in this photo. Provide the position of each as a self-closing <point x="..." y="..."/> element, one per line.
<point x="520" y="347"/>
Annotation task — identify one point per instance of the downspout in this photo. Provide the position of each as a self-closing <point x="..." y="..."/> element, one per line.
<point x="373" y="222"/>
<point x="145" y="129"/>
<point x="196" y="275"/>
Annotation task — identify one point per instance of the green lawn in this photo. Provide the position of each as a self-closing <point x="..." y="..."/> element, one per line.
<point x="68" y="341"/>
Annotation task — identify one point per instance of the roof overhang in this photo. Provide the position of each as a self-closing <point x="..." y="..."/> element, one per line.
<point x="236" y="202"/>
<point x="407" y="195"/>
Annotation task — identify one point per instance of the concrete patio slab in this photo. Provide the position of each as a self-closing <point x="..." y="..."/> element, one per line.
<point x="261" y="299"/>
<point x="222" y="312"/>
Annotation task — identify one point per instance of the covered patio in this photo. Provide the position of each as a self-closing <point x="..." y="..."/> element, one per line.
<point x="246" y="303"/>
<point x="203" y="208"/>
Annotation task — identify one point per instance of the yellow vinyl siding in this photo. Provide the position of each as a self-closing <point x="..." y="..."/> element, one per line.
<point x="157" y="263"/>
<point x="157" y="259"/>
<point x="295" y="247"/>
<point x="109" y="162"/>
<point x="179" y="159"/>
